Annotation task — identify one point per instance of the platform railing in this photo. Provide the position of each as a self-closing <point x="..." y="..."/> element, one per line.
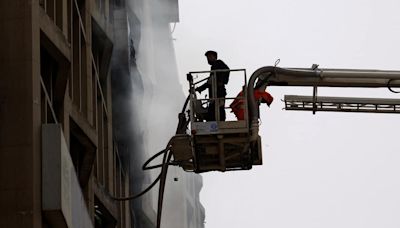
<point x="213" y="98"/>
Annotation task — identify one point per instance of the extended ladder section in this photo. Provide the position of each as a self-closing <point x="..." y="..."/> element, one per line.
<point x="341" y="104"/>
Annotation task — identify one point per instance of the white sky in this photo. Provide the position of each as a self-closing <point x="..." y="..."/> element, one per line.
<point x="326" y="170"/>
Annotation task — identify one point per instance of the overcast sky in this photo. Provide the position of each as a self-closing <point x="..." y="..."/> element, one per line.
<point x="326" y="170"/>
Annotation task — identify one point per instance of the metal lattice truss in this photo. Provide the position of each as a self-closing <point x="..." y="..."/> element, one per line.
<point x="341" y="104"/>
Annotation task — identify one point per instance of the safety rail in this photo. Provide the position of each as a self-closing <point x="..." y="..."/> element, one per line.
<point x="195" y="84"/>
<point x="207" y="120"/>
<point x="226" y="107"/>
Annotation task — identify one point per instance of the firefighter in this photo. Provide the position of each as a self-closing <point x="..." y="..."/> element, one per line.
<point x="222" y="79"/>
<point x="237" y="105"/>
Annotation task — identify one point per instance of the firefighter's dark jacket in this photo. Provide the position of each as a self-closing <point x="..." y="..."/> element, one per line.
<point x="222" y="79"/>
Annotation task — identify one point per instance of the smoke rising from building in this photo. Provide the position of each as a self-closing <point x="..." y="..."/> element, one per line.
<point x="147" y="97"/>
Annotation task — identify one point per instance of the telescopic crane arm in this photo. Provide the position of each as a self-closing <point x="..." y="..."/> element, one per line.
<point x="315" y="77"/>
<point x="275" y="76"/>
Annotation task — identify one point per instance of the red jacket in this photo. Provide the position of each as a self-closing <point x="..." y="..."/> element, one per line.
<point x="237" y="105"/>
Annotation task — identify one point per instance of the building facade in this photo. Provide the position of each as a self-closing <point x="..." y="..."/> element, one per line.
<point x="58" y="162"/>
<point x="88" y="91"/>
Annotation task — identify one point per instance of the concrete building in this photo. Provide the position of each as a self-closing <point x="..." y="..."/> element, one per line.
<point x="70" y="135"/>
<point x="58" y="162"/>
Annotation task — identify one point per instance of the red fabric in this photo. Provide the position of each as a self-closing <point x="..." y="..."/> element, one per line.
<point x="264" y="96"/>
<point x="237" y="104"/>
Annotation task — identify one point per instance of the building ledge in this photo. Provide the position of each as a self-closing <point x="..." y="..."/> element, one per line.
<point x="63" y="203"/>
<point x="55" y="36"/>
<point x="105" y="25"/>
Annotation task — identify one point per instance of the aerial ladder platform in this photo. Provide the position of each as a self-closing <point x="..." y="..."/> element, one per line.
<point x="202" y="146"/>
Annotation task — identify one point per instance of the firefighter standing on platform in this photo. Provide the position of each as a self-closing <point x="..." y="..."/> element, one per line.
<point x="222" y="79"/>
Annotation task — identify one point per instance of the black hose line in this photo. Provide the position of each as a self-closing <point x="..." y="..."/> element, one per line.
<point x="167" y="156"/>
<point x="164" y="171"/>
<point x="182" y="121"/>
<point x="135" y="196"/>
<point x="185" y="104"/>
<point x="132" y="197"/>
<point x="145" y="167"/>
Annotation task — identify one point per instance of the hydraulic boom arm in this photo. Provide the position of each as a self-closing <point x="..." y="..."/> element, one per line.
<point x="315" y="77"/>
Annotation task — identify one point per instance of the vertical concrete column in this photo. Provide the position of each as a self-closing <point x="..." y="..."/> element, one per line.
<point x="64" y="17"/>
<point x="109" y="150"/>
<point x="88" y="76"/>
<point x="20" y="179"/>
<point x="87" y="72"/>
<point x="107" y="9"/>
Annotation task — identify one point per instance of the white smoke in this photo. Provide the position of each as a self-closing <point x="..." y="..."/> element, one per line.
<point x="155" y="98"/>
